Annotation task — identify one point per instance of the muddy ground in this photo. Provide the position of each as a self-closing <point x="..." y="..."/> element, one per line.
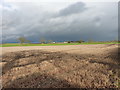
<point x="81" y="66"/>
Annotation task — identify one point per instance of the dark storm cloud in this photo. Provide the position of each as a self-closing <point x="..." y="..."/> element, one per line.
<point x="73" y="9"/>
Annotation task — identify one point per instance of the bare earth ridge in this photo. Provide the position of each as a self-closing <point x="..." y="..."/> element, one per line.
<point x="73" y="66"/>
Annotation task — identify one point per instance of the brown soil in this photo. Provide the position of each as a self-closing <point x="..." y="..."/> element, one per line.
<point x="85" y="66"/>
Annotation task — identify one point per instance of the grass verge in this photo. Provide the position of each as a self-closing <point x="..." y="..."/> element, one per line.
<point x="55" y="44"/>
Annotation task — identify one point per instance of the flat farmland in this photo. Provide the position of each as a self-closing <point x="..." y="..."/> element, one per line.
<point x="69" y="66"/>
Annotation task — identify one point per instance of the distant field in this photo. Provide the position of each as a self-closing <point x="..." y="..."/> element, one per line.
<point x="54" y="44"/>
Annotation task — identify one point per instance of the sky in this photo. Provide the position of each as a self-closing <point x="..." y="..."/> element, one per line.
<point x="58" y="21"/>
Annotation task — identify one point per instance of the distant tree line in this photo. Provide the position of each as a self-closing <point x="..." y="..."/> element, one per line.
<point x="43" y="41"/>
<point x="80" y="41"/>
<point x="23" y="40"/>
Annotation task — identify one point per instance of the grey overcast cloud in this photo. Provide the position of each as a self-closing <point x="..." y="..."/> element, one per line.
<point x="59" y="21"/>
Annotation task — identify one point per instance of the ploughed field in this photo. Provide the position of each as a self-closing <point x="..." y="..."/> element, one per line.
<point x="75" y="66"/>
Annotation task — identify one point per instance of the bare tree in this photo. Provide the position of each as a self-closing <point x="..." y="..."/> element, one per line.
<point x="28" y="41"/>
<point x="23" y="40"/>
<point x="42" y="40"/>
<point x="50" y="41"/>
<point x="80" y="41"/>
